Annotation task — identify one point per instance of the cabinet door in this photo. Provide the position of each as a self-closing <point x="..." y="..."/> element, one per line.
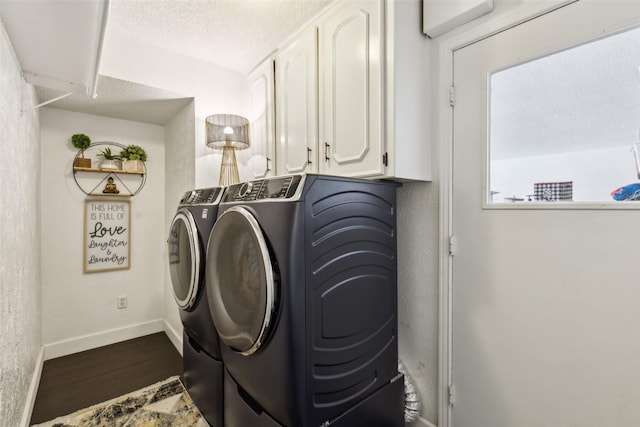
<point x="261" y="109"/>
<point x="352" y="115"/>
<point x="297" y="105"/>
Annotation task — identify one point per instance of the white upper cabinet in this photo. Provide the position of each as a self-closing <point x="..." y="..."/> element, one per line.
<point x="351" y="88"/>
<point x="352" y="95"/>
<point x="407" y="92"/>
<point x="297" y="105"/>
<point x="261" y="114"/>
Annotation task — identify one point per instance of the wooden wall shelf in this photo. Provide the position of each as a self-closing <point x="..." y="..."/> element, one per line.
<point x="93" y="181"/>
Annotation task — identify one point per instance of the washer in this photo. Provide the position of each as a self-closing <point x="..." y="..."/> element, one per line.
<point x="202" y="359"/>
<point x="301" y="285"/>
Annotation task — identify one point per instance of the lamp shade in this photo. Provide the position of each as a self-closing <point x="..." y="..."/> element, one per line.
<point x="228" y="130"/>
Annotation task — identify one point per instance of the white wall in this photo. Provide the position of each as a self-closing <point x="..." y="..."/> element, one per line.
<point x="179" y="178"/>
<point x="418" y="289"/>
<point x="79" y="310"/>
<point x="19" y="239"/>
<point x="216" y="90"/>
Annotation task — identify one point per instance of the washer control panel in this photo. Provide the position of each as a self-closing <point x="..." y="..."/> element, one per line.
<point x="203" y="196"/>
<point x="284" y="187"/>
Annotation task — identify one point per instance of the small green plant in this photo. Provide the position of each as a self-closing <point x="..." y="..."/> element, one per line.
<point x="81" y="142"/>
<point x="108" y="155"/>
<point x="134" y="152"/>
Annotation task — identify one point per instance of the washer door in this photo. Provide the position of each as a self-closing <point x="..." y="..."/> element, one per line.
<point x="240" y="284"/>
<point x="184" y="259"/>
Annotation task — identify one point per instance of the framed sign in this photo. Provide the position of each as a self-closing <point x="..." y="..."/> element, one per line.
<point x="107" y="226"/>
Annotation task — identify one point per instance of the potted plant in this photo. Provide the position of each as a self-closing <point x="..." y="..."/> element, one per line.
<point x="110" y="160"/>
<point x="133" y="157"/>
<point x="81" y="142"/>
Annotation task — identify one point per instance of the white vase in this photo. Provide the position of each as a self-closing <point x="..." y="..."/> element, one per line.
<point x="109" y="164"/>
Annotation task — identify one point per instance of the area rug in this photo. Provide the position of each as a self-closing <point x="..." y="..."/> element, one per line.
<point x="164" y="404"/>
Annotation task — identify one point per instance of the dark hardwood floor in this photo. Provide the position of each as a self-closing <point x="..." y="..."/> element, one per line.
<point x="83" y="379"/>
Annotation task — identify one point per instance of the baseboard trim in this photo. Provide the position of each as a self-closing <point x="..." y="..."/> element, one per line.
<point x="421" y="422"/>
<point x="174" y="336"/>
<point x="33" y="390"/>
<point x="99" y="339"/>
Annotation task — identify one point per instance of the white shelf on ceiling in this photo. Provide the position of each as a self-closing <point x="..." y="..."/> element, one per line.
<point x="58" y="43"/>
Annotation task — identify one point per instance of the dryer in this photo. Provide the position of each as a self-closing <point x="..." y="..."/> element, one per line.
<point x="202" y="360"/>
<point x="301" y="285"/>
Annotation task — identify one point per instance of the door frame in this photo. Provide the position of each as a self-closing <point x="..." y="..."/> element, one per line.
<point x="444" y="137"/>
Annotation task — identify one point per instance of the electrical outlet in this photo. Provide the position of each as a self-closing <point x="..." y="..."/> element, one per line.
<point x="122" y="301"/>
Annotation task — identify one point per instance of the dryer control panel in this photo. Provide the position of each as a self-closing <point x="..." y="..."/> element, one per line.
<point x="203" y="196"/>
<point x="283" y="188"/>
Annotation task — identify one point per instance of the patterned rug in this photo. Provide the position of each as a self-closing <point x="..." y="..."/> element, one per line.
<point x="164" y="404"/>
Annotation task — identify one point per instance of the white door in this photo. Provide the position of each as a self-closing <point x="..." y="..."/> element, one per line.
<point x="545" y="301"/>
<point x="297" y="105"/>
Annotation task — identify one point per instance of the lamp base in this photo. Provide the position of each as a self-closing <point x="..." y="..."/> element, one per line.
<point x="229" y="167"/>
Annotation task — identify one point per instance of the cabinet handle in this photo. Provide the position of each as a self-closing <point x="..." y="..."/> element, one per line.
<point x="326" y="152"/>
<point x="308" y="155"/>
<point x="268" y="168"/>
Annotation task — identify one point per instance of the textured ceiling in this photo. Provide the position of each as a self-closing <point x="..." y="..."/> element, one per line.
<point x="236" y="34"/>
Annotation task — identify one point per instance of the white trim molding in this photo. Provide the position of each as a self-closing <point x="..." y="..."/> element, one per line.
<point x="99" y="339"/>
<point x="33" y="390"/>
<point x="174" y="336"/>
<point x="421" y="422"/>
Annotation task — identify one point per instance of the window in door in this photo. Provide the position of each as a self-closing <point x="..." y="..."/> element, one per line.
<point x="565" y="127"/>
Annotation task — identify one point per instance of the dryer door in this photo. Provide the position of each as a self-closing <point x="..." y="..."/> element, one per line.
<point x="240" y="284"/>
<point x="184" y="259"/>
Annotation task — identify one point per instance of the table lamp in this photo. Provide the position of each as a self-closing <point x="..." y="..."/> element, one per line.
<point x="230" y="133"/>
